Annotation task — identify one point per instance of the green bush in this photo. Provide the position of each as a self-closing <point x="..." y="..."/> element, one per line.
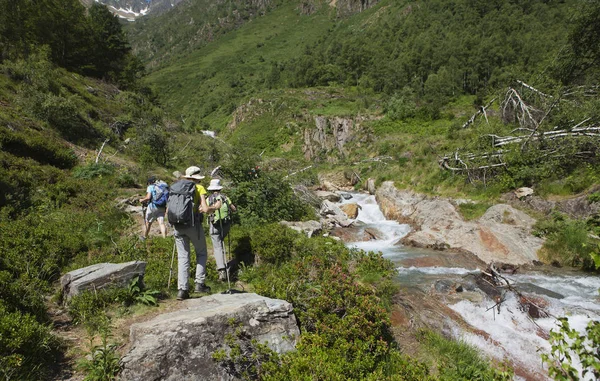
<point x="567" y="241"/>
<point x="91" y="170"/>
<point x="104" y="363"/>
<point x="274" y="243"/>
<point x="568" y="346"/>
<point x="28" y="349"/>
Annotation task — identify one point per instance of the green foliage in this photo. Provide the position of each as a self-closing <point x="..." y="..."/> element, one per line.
<point x="594" y="197"/>
<point x="266" y="198"/>
<point x="90" y="42"/>
<point x="243" y="357"/>
<point x="274" y="243"/>
<point x="472" y="211"/>
<point x="27" y="347"/>
<point x="93" y="170"/>
<point x="567" y="241"/>
<point x="458" y="361"/>
<point x="569" y="346"/>
<point x="104" y="364"/>
<point x="90" y="307"/>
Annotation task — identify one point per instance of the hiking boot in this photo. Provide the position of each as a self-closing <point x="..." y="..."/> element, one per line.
<point x="201" y="287"/>
<point x="183" y="294"/>
<point x="222" y="275"/>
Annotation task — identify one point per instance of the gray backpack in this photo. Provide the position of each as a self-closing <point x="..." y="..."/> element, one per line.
<point x="180" y="206"/>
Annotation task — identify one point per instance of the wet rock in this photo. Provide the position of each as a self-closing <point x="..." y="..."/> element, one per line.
<point x="502" y="234"/>
<point x="179" y="345"/>
<point x="310" y="228"/>
<point x="334" y="214"/>
<point x="326" y="195"/>
<point x="374" y="233"/>
<point x="345" y="195"/>
<point x="534" y="289"/>
<point x="370" y="186"/>
<point x="535" y="306"/>
<point x="352" y="234"/>
<point x="443" y="286"/>
<point x="100" y="276"/>
<point x="351" y="210"/>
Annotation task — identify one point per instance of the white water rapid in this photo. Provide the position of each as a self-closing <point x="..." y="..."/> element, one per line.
<point x="511" y="333"/>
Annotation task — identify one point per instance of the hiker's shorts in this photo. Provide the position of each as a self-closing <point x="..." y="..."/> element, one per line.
<point x="155" y="214"/>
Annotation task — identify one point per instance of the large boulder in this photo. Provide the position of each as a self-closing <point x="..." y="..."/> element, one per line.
<point x="502" y="234"/>
<point x="179" y="345"/>
<point x="99" y="276"/>
<point x="310" y="228"/>
<point x="326" y="195"/>
<point x="334" y="216"/>
<point x="351" y="210"/>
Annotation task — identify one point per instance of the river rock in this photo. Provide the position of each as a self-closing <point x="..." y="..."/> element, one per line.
<point x="179" y="345"/>
<point x="502" y="234"/>
<point x="579" y="207"/>
<point x="333" y="214"/>
<point x="370" y="186"/>
<point x="326" y="195"/>
<point x="523" y="192"/>
<point x="351" y="210"/>
<point x="345" y="195"/>
<point x="355" y="233"/>
<point x="99" y="276"/>
<point x="310" y="228"/>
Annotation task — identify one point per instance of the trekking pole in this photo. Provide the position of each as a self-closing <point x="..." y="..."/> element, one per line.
<point x="172" y="259"/>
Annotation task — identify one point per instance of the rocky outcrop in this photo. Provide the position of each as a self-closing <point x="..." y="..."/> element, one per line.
<point x="179" y="345"/>
<point x="310" y="228"/>
<point x="333" y="215"/>
<point x="327" y="195"/>
<point x="350" y="209"/>
<point x="350" y="7"/>
<point x="502" y="234"/>
<point x="575" y="207"/>
<point x="99" y="276"/>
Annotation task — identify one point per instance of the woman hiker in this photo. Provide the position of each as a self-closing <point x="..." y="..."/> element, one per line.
<point x="187" y="203"/>
<point x="155" y="210"/>
<point x="219" y="224"/>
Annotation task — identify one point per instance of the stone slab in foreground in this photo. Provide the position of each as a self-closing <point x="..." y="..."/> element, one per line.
<point x="99" y="276"/>
<point x="179" y="345"/>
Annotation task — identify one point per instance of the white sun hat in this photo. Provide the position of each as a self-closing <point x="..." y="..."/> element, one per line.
<point x="193" y="172"/>
<point x="215" y="184"/>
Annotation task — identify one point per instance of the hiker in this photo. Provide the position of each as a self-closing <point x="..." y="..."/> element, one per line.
<point x="187" y="202"/>
<point x="156" y="197"/>
<point x="219" y="224"/>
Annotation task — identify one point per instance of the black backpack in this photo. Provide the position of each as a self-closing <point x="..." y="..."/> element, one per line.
<point x="180" y="206"/>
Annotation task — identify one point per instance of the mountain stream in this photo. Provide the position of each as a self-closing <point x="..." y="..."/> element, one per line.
<point x="504" y="332"/>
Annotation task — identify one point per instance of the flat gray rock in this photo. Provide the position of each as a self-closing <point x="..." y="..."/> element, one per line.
<point x="99" y="276"/>
<point x="179" y="345"/>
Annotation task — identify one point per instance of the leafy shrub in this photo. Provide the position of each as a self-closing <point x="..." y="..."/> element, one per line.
<point x="28" y="348"/>
<point x="274" y="243"/>
<point x="568" y="346"/>
<point x="267" y="198"/>
<point x="567" y="241"/>
<point x="104" y="364"/>
<point x="91" y="170"/>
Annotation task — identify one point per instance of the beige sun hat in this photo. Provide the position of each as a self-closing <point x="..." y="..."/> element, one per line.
<point x="215" y="185"/>
<point x="193" y="172"/>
